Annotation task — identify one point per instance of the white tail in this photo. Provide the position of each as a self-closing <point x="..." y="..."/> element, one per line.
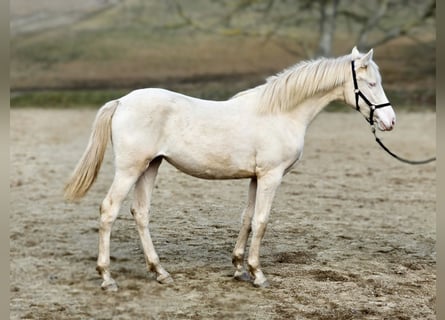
<point x="88" y="166"/>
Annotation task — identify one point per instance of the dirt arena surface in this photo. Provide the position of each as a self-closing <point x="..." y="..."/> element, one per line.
<point x="351" y="233"/>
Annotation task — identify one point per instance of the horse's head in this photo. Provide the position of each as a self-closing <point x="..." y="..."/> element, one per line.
<point x="365" y="91"/>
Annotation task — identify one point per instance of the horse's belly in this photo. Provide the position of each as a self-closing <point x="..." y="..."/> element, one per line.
<point x="210" y="166"/>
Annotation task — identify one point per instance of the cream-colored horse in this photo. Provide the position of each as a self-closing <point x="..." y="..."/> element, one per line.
<point x="258" y="134"/>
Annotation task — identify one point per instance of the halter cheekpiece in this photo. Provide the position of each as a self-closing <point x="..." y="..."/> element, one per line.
<point x="358" y="93"/>
<point x="372" y="108"/>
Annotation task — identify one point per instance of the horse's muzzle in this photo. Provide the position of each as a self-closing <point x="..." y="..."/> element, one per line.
<point x="386" y="125"/>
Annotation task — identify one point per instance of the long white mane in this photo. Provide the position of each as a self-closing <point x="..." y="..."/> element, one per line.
<point x="284" y="91"/>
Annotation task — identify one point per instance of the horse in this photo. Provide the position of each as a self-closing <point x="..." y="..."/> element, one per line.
<point x="258" y="134"/>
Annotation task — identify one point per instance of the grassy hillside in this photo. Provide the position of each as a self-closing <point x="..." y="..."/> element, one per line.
<point x="109" y="47"/>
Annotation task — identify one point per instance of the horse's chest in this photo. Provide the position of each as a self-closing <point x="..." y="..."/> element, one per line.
<point x="283" y="151"/>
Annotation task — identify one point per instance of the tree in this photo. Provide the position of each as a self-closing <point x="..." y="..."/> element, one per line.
<point x="377" y="16"/>
<point x="328" y="18"/>
<point x="372" y="22"/>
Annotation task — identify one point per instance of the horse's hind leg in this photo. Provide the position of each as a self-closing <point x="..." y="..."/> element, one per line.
<point x="123" y="181"/>
<point x="241" y="243"/>
<point x="140" y="211"/>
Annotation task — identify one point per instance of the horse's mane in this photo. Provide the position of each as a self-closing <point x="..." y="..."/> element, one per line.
<point x="284" y="91"/>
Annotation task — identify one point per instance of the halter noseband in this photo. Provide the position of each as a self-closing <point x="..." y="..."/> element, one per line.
<point x="372" y="108"/>
<point x="359" y="94"/>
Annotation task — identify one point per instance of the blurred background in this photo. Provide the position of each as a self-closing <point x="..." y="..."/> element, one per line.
<point x="85" y="52"/>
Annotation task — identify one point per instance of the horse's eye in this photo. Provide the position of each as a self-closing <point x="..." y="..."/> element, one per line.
<point x="372" y="84"/>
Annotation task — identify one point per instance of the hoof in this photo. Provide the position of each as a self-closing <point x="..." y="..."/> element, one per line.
<point x="243" y="276"/>
<point x="109" y="285"/>
<point x="261" y="284"/>
<point x="164" y="279"/>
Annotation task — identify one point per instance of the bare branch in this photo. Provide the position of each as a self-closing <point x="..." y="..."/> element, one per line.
<point x="372" y="22"/>
<point x="405" y="29"/>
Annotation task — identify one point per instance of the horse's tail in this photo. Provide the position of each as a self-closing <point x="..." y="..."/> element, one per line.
<point x="89" y="164"/>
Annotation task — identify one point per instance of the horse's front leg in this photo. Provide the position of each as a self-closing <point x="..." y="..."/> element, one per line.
<point x="267" y="186"/>
<point x="241" y="243"/>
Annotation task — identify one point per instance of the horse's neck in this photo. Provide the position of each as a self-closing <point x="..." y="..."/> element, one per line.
<point x="307" y="110"/>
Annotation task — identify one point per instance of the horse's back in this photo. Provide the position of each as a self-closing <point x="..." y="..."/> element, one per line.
<point x="161" y="106"/>
<point x="156" y="98"/>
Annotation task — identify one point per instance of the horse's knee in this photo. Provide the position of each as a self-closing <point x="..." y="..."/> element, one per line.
<point x="140" y="215"/>
<point x="259" y="225"/>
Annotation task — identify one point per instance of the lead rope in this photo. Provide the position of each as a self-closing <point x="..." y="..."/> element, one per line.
<point x="372" y="107"/>
<point x="396" y="156"/>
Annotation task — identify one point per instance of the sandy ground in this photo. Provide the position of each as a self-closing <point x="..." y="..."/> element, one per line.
<point x="351" y="234"/>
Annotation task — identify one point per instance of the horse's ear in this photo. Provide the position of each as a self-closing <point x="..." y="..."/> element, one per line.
<point x="364" y="61"/>
<point x="355" y="53"/>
